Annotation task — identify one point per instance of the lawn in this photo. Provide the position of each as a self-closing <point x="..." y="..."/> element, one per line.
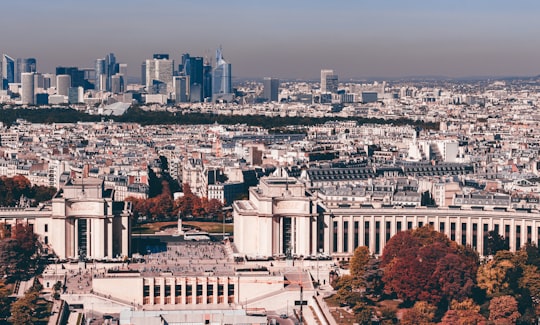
<point x="210" y="227"/>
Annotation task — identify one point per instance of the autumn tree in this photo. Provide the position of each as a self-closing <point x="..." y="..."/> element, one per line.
<point x="463" y="313"/>
<point x="503" y="310"/>
<point x="359" y="261"/>
<point x="501" y="275"/>
<point x="424" y="265"/>
<point x="422" y="313"/>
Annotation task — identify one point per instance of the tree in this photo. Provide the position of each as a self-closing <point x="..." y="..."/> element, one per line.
<point x="401" y="243"/>
<point x="463" y="313"/>
<point x="362" y="313"/>
<point x="495" y="243"/>
<point x="503" y="310"/>
<point x="5" y="302"/>
<point x="372" y="277"/>
<point x="23" y="310"/>
<point x="530" y="283"/>
<point x="425" y="265"/>
<point x="359" y="261"/>
<point x="501" y="275"/>
<point x="422" y="313"/>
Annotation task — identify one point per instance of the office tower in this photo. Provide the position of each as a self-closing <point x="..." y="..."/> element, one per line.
<point x="194" y="70"/>
<point x="25" y="65"/>
<point x="8" y="71"/>
<point x="117" y="84"/>
<point x="100" y="83"/>
<point x="49" y="80"/>
<point x="28" y="89"/>
<point x="143" y="73"/>
<point x="207" y="81"/>
<point x="122" y="70"/>
<point x="111" y="69"/>
<point x="77" y="76"/>
<point x="39" y="81"/>
<point x="63" y="83"/>
<point x="271" y="89"/>
<point x="159" y="74"/>
<point x="182" y="66"/>
<point x="181" y="89"/>
<point x="75" y="95"/>
<point x="222" y="79"/>
<point x="329" y="81"/>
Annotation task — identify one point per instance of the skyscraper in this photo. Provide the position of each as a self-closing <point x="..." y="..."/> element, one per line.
<point x="222" y="79"/>
<point x="207" y="81"/>
<point x="181" y="88"/>
<point x="271" y="89"/>
<point x="28" y="88"/>
<point x="77" y="76"/>
<point x="63" y="83"/>
<point x="117" y="84"/>
<point x="329" y="81"/>
<point x="100" y="84"/>
<point x="25" y="65"/>
<point x="159" y="72"/>
<point x="8" y="70"/>
<point x="111" y="69"/>
<point x="195" y="72"/>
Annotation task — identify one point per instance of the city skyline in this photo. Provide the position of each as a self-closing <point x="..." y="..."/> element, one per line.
<point x="282" y="39"/>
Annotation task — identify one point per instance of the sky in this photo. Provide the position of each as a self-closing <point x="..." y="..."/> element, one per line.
<point x="288" y="39"/>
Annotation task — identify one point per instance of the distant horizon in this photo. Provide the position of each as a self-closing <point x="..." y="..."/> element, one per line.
<point x="285" y="39"/>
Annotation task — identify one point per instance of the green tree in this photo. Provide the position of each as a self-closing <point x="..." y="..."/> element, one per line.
<point x="5" y="301"/>
<point x="362" y="313"/>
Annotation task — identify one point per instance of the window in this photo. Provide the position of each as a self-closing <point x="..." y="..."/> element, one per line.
<point x="46" y="228"/>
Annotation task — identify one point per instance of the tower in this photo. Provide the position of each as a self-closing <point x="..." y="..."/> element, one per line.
<point x="159" y="74"/>
<point x="222" y="79"/>
<point x="8" y="70"/>
<point x="100" y="83"/>
<point x="63" y="83"/>
<point x="181" y="88"/>
<point x="271" y="89"/>
<point x="28" y="88"/>
<point x="329" y="81"/>
<point x="25" y="65"/>
<point x="195" y="73"/>
<point x="111" y="69"/>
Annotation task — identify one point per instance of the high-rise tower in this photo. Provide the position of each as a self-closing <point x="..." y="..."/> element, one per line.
<point x="329" y="81"/>
<point x="8" y="70"/>
<point x="159" y="74"/>
<point x="271" y="89"/>
<point x="28" y="88"/>
<point x="222" y="79"/>
<point x="25" y="65"/>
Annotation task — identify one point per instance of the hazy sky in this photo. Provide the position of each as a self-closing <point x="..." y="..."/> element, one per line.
<point x="285" y="39"/>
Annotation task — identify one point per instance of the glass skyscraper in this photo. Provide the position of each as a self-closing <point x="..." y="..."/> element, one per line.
<point x="222" y="79"/>
<point x="8" y="70"/>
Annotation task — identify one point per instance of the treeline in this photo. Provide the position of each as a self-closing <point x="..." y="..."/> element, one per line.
<point x="163" y="207"/>
<point x="136" y="115"/>
<point x="441" y="282"/>
<point x="12" y="188"/>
